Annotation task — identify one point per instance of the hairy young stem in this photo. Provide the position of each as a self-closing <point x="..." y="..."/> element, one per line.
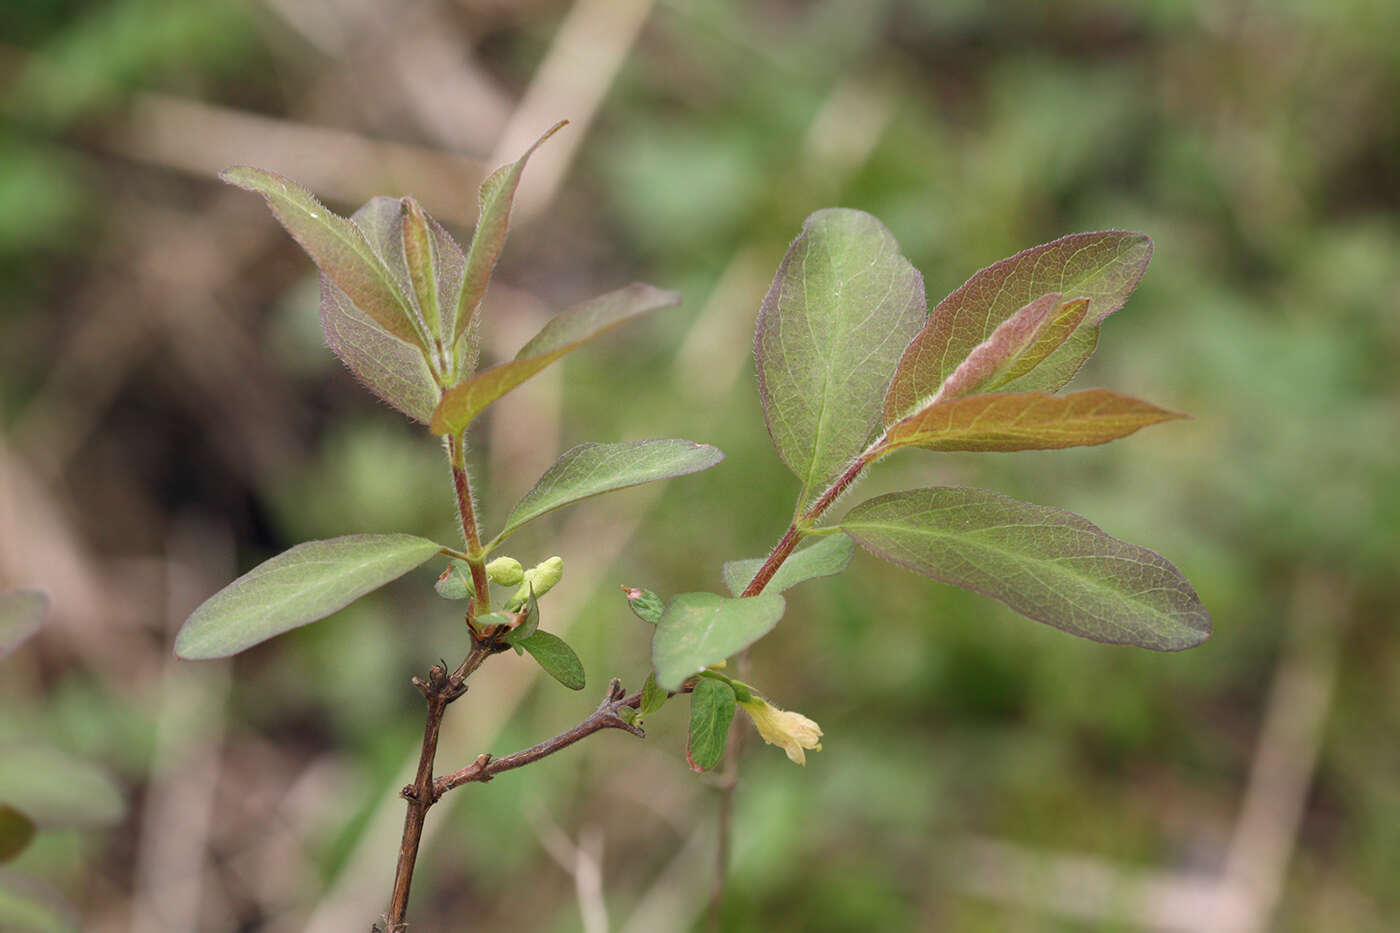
<point x="466" y="511"/>
<point x="798" y="529"/>
<point x="780" y="553"/>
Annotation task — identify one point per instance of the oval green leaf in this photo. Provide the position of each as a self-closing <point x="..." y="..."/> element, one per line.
<point x="1050" y="565"/>
<point x="1104" y="267"/>
<point x="16" y="832"/>
<point x="22" y="613"/>
<point x="567" y="331"/>
<point x="556" y="657"/>
<point x="337" y="246"/>
<point x="712" y="708"/>
<point x="1026" y="421"/>
<point x="298" y="586"/>
<point x="700" y="629"/>
<point x="842" y="307"/>
<point x="593" y="469"/>
<point x="825" y="557"/>
<point x="55" y="790"/>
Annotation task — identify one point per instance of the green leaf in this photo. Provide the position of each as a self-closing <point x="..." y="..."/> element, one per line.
<point x="653" y="697"/>
<point x="700" y="629"/>
<point x="826" y="557"/>
<point x="1026" y="421"/>
<point x="496" y="197"/>
<point x="712" y="708"/>
<point x="841" y="309"/>
<point x="22" y="613"/>
<point x="456" y="581"/>
<point x="298" y="586"/>
<point x="16" y="832"/>
<point x="529" y="625"/>
<point x="1019" y="345"/>
<point x="338" y="248"/>
<point x="593" y="469"/>
<point x="556" y="657"/>
<point x="1103" y="267"/>
<point x="31" y="906"/>
<point x="567" y="331"/>
<point x="644" y="604"/>
<point x="1050" y="565"/>
<point x="392" y="369"/>
<point x="54" y="789"/>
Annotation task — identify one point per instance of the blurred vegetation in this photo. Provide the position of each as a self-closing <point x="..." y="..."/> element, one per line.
<point x="170" y="417"/>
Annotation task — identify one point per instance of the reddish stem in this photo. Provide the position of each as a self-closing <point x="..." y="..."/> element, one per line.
<point x="466" y="511"/>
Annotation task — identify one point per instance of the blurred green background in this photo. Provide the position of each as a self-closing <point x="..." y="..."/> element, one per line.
<point x="170" y="417"/>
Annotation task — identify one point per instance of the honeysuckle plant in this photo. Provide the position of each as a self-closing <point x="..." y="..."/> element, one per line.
<point x="852" y="368"/>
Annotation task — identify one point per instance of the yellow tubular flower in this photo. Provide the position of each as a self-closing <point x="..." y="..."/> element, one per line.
<point x="793" y="731"/>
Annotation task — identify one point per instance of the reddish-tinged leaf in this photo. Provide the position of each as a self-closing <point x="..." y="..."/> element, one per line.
<point x="1050" y="565"/>
<point x="568" y="330"/>
<point x="842" y="307"/>
<point x="337" y="246"/>
<point x="394" y="370"/>
<point x="1026" y="421"/>
<point x="420" y="256"/>
<point x="1103" y="267"/>
<point x="497" y="195"/>
<point x="1020" y="344"/>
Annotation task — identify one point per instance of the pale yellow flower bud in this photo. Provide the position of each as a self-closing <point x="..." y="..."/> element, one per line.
<point x="541" y="577"/>
<point x="505" y="571"/>
<point x="792" y="731"/>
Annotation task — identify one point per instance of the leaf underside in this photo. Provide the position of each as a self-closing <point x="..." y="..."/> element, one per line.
<point x="565" y="332"/>
<point x="1026" y="421"/>
<point x="301" y="585"/>
<point x="338" y="247"/>
<point x="841" y="309"/>
<point x="1050" y="565"/>
<point x="700" y="629"/>
<point x="391" y="368"/>
<point x="825" y="557"/>
<point x="592" y="469"/>
<point x="1104" y="267"/>
<point x="712" y="708"/>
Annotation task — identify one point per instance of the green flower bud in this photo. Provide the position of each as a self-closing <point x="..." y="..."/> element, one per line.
<point x="506" y="571"/>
